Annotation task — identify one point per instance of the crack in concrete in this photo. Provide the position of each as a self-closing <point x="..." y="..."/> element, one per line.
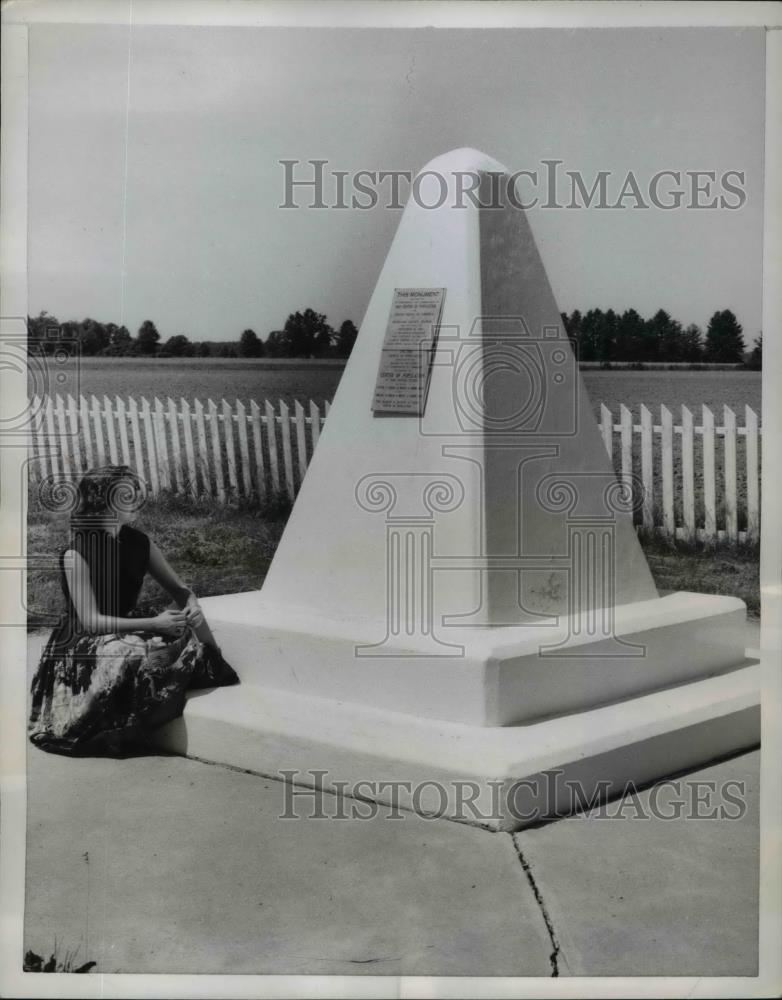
<point x="555" y="946"/>
<point x="337" y="793"/>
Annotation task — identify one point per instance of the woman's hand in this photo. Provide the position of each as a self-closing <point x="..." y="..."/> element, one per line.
<point x="193" y="613"/>
<point x="170" y="623"/>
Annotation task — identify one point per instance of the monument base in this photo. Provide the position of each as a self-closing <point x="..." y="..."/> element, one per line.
<point x="500" y="778"/>
<point x="500" y="734"/>
<point x="499" y="676"/>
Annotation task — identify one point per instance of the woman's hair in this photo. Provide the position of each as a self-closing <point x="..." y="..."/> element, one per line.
<point x="107" y="489"/>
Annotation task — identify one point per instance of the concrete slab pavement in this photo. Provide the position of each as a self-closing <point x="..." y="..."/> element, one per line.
<point x="169" y="865"/>
<point x="627" y="893"/>
<point x="163" y="864"/>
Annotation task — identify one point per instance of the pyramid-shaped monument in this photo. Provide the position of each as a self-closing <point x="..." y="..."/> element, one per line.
<point x="507" y="423"/>
<point x="461" y="551"/>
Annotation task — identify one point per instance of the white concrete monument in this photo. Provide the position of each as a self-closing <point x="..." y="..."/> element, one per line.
<point x="459" y="593"/>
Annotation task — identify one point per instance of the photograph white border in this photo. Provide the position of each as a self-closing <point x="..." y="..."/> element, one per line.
<point x="17" y="14"/>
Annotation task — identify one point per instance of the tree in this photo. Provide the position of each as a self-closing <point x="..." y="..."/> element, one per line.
<point x="663" y="338"/>
<point x="607" y="330"/>
<point x="226" y="349"/>
<point x="148" y="338"/>
<point x="346" y="338"/>
<point x="203" y="350"/>
<point x="671" y="343"/>
<point x="724" y="340"/>
<point x="275" y="344"/>
<point x="42" y="331"/>
<point x="93" y="337"/>
<point x="250" y="345"/>
<point x="692" y="344"/>
<point x="120" y="341"/>
<point x="630" y="332"/>
<point x="756" y="354"/>
<point x="573" y="329"/>
<point x="590" y="341"/>
<point x="177" y="347"/>
<point x="307" y="334"/>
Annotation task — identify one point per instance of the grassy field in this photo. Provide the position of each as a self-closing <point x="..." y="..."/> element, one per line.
<point x="232" y="379"/>
<point x="225" y="549"/>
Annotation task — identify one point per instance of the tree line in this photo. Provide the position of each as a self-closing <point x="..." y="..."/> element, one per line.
<point x="596" y="336"/>
<point x="305" y="334"/>
<point x="608" y="336"/>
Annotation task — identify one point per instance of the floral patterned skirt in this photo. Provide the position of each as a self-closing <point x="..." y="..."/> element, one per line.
<point x="102" y="694"/>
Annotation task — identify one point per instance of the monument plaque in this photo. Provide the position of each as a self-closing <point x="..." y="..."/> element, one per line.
<point x="408" y="351"/>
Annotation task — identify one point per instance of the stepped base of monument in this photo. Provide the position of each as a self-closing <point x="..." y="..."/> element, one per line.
<point x="501" y="778"/>
<point x="499" y="676"/>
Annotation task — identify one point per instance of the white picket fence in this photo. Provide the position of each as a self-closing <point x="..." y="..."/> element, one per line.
<point x="218" y="451"/>
<point x="693" y="480"/>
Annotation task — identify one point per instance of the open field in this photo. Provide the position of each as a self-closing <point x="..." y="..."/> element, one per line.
<point x="291" y="379"/>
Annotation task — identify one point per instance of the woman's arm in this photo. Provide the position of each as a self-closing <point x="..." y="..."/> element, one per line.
<point x="166" y="576"/>
<point x="77" y="574"/>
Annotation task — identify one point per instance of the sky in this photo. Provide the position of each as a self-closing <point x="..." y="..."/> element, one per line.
<point x="155" y="178"/>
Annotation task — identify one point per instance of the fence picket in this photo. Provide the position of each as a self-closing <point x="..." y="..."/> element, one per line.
<point x="230" y="452"/>
<point x="97" y="430"/>
<point x="216" y="452"/>
<point x="666" y="421"/>
<point x="161" y="445"/>
<point x="731" y="510"/>
<point x="111" y="436"/>
<point x="709" y="476"/>
<point x="41" y="450"/>
<point x="187" y="429"/>
<point x="647" y="467"/>
<point x="203" y="452"/>
<point x="73" y="422"/>
<point x="287" y="454"/>
<point x="84" y="420"/>
<point x="271" y="430"/>
<point x="314" y="425"/>
<point x="135" y="435"/>
<point x="688" y="473"/>
<point x="63" y="438"/>
<point x="51" y="437"/>
<point x="257" y="424"/>
<point x="301" y="438"/>
<point x="244" y="451"/>
<point x="626" y="439"/>
<point x="122" y="420"/>
<point x="33" y="465"/>
<point x="176" y="450"/>
<point x="751" y="445"/>
<point x="146" y="416"/>
<point x="607" y="429"/>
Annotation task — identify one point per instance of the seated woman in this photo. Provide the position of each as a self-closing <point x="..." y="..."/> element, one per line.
<point x="106" y="678"/>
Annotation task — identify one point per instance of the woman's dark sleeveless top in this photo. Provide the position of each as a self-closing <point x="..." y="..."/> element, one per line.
<point x="117" y="569"/>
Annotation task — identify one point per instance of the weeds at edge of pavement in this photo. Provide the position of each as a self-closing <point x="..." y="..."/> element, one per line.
<point x="36" y="963"/>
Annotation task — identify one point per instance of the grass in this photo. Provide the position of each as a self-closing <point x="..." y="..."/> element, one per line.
<point x="214" y="548"/>
<point x="731" y="570"/>
<point x="55" y="963"/>
<point x="222" y="549"/>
